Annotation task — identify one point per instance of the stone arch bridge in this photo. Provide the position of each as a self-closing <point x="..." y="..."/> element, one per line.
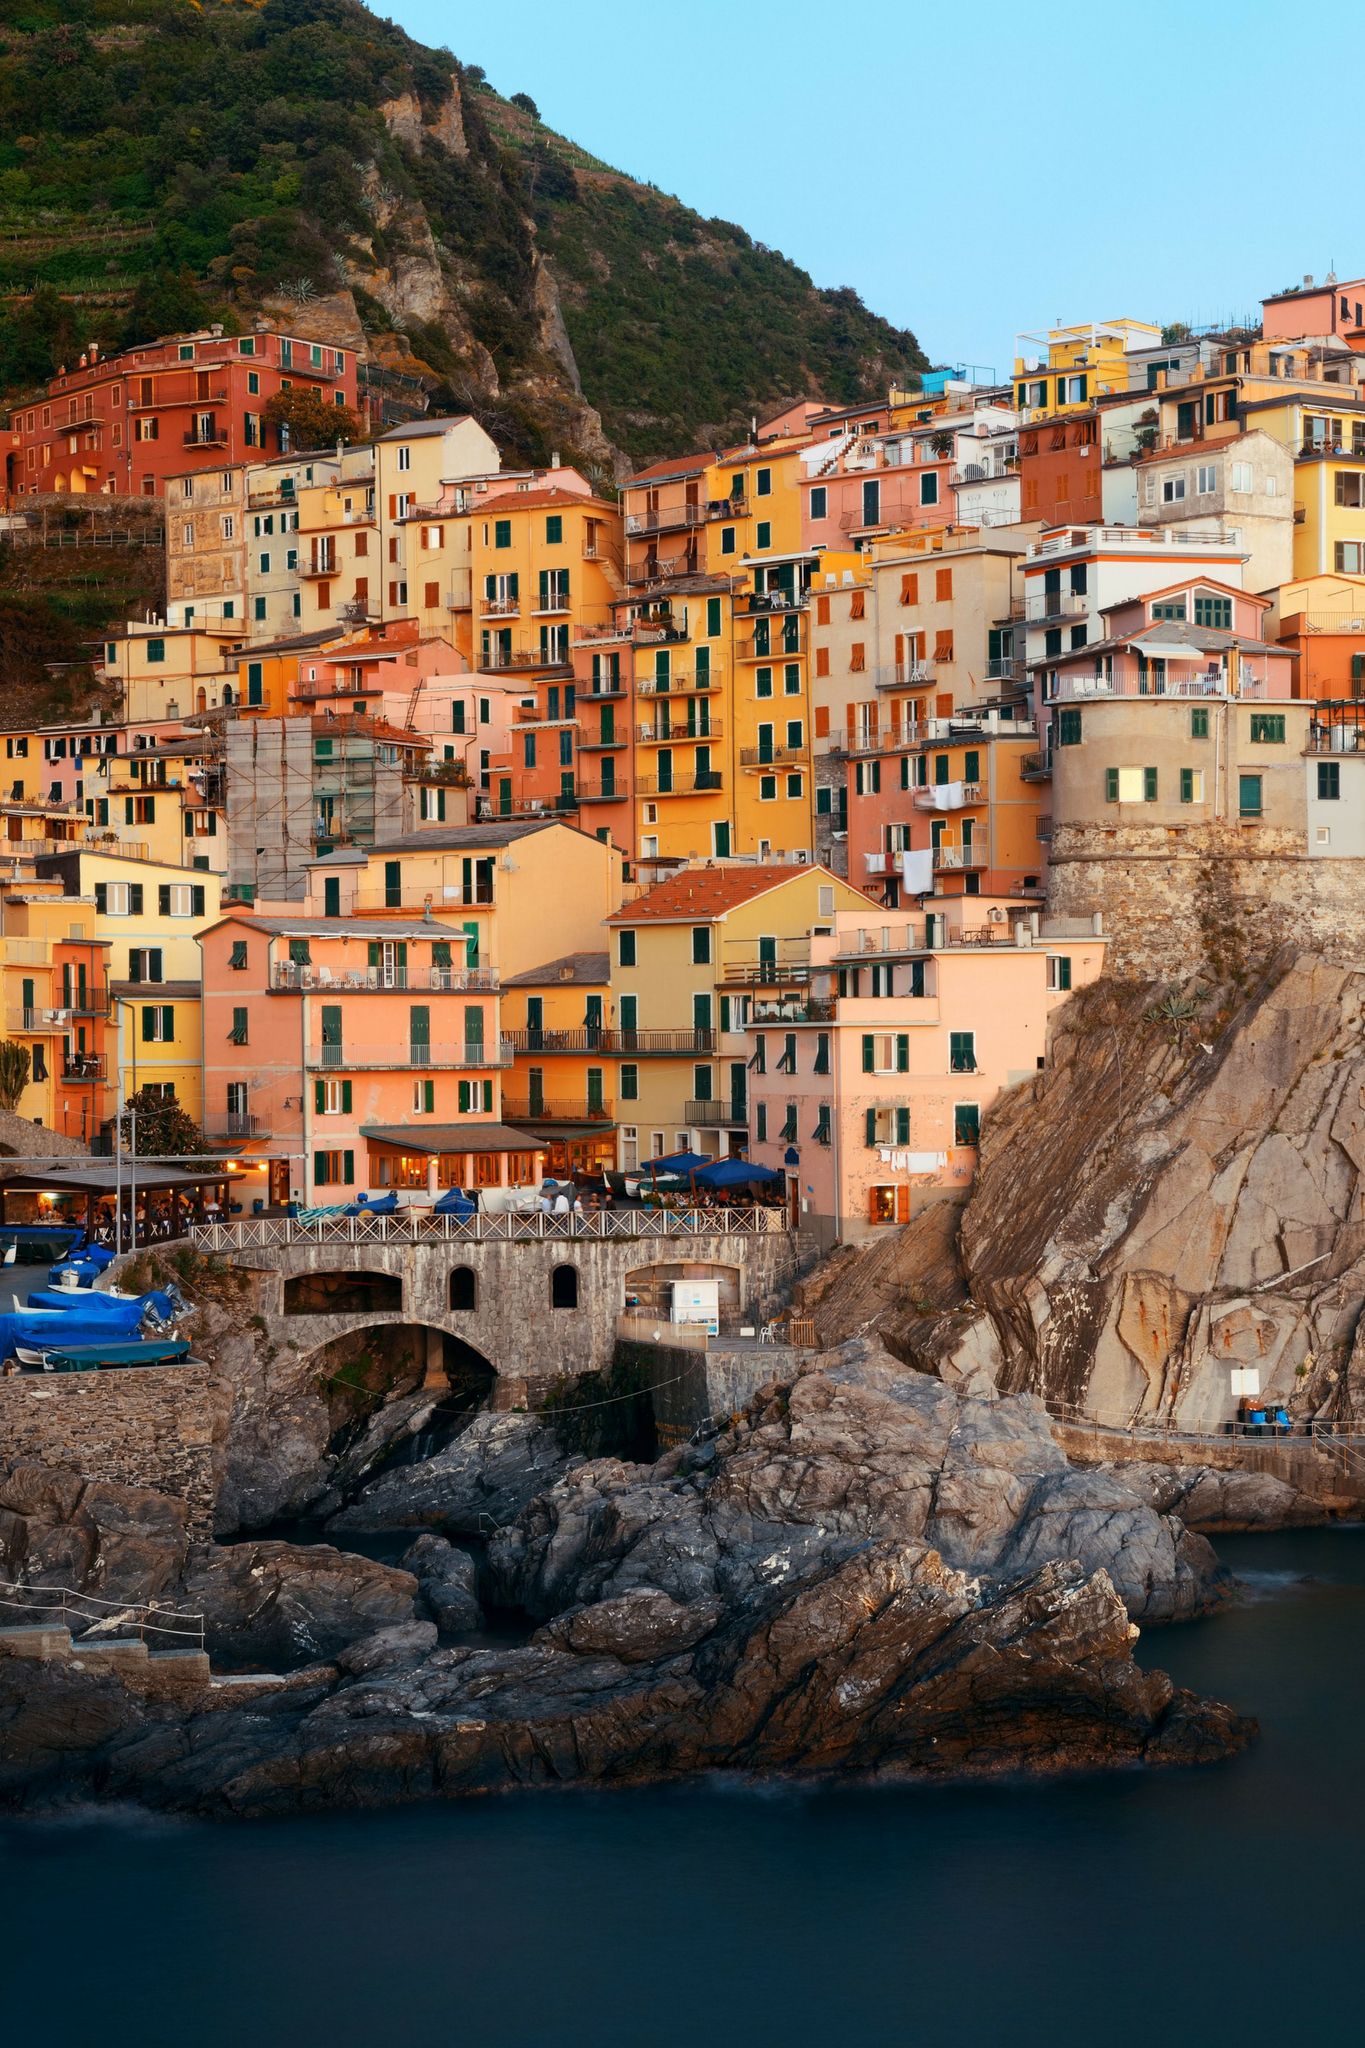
<point x="534" y="1296"/>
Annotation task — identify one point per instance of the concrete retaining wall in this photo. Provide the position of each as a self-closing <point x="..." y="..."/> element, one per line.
<point x="1332" y="1474"/>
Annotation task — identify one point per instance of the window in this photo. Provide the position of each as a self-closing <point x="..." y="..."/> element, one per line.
<point x="180" y="899"/>
<point x="1199" y="723"/>
<point x="1130" y="785"/>
<point x="627" y="949"/>
<point x="819" y="502"/>
<point x="966" y="1123"/>
<point x="333" y="1169"/>
<point x="767" y="788"/>
<point x="928" y="487"/>
<point x="630" y="1084"/>
<point x="712" y="617"/>
<point x="1206" y="479"/>
<point x="1213" y="611"/>
<point x="1058" y="971"/>
<point x="701" y="944"/>
<point x="1172" y="490"/>
<point x="1068" y="728"/>
<point x="763" y="534"/>
<point x="1241" y="476"/>
<point x="564" y="1287"/>
<point x="1249" y="796"/>
<point x="502" y="533"/>
<point x="1329" y="781"/>
<point x="962" y="1052"/>
<point x="158" y="1023"/>
<point x="1267" y="728"/>
<point x="1191" y="785"/>
<point x="1348" y="556"/>
<point x="238" y="958"/>
<point x="156" y="650"/>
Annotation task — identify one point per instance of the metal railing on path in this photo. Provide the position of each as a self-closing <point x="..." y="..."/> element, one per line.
<point x="277" y="1233"/>
<point x="63" y="1604"/>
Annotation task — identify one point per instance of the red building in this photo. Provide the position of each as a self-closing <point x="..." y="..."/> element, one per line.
<point x="125" y="423"/>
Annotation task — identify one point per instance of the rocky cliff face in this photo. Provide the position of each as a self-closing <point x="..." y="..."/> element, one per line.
<point x="1177" y="1197"/>
<point x="868" y="1572"/>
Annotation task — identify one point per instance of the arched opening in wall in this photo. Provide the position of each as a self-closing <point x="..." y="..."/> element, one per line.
<point x="385" y="1404"/>
<point x="649" y="1291"/>
<point x="343" y="1294"/>
<point x="564" y="1287"/>
<point x="464" y="1288"/>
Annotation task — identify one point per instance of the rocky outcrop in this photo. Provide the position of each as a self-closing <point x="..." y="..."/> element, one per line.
<point x="869" y="1572"/>
<point x="275" y="1605"/>
<point x="449" y="1582"/>
<point x="481" y="1480"/>
<point x="1173" y="1204"/>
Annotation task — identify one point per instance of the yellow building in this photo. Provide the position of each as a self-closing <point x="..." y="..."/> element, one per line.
<point x="56" y="1001"/>
<point x="1080" y="364"/>
<point x="164" y="803"/>
<point x="541" y="560"/>
<point x="562" y="1084"/>
<point x="690" y="963"/>
<point x="338" y="555"/>
<point x="164" y="672"/>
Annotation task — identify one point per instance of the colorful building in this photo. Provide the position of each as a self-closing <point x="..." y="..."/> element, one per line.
<point x="127" y="423"/>
<point x="875" y="1060"/>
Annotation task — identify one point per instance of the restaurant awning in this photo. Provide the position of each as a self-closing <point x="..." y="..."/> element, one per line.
<point x="469" y="1137"/>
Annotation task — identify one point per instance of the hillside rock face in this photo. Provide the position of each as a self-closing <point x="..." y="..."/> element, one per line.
<point x="868" y="1572"/>
<point x="1176" y="1200"/>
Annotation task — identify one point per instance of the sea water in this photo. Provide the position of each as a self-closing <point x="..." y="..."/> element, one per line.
<point x="1212" y="1906"/>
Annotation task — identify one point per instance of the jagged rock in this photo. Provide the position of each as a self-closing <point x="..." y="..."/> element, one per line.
<point x="274" y="1604"/>
<point x="406" y="1642"/>
<point x="449" y="1583"/>
<point x="481" y="1480"/>
<point x="785" y="1604"/>
<point x="1208" y="1499"/>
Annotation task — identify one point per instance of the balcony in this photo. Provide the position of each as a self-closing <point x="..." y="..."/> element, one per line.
<point x="948" y="858"/>
<point x="619" y="687"/>
<point x="716" y="1115"/>
<point x="773" y="757"/>
<point x="499" y="607"/>
<point x="522" y="658"/>
<point x="1035" y="768"/>
<point x="1256" y="684"/>
<point x="551" y="607"/>
<point x="783" y="646"/>
<point x="679" y="682"/>
<point x="554" y="1109"/>
<point x="82" y="1067"/>
<point x="293" y="976"/>
<point x="1004" y="671"/>
<point x="681" y="785"/>
<point x="665" y="519"/>
<point x="927" y="799"/>
<point x="237" y="1124"/>
<point x="633" y="1044"/>
<point x="487" y="807"/>
<point x="600" y="745"/>
<point x="355" y="1058"/>
<point x="662" y="733"/>
<point x="794" y="1009"/>
<point x="660" y="570"/>
<point x="1055" y="604"/>
<point x="42" y="1022"/>
<point x="200" y="437"/>
<point x="261" y="501"/>
<point x="317" y="566"/>
<point x="778" y="601"/>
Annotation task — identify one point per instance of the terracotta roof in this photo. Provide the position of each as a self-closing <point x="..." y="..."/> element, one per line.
<point x="703" y="893"/>
<point x="592" y="970"/>
<point x="536" y="501"/>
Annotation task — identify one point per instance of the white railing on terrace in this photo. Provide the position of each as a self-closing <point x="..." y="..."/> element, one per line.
<point x="288" y="974"/>
<point x="360" y="1058"/>
<point x="417" y="1226"/>
<point x="1178" y="681"/>
<point x="1131" y="536"/>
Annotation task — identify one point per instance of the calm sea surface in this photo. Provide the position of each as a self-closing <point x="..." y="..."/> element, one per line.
<point x="1210" y="1907"/>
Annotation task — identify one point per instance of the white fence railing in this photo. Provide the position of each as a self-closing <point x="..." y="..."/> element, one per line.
<point x="278" y="1233"/>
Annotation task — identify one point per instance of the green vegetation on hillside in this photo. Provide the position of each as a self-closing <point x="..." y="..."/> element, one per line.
<point x="167" y="161"/>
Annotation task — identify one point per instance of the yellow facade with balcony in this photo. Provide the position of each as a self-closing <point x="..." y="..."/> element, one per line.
<point x="1081" y="364"/>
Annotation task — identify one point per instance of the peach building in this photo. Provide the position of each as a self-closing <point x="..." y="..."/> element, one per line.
<point x="873" y="1066"/>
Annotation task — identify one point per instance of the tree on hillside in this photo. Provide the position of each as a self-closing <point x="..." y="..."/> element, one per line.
<point x="163" y="1127"/>
<point x="309" y="421"/>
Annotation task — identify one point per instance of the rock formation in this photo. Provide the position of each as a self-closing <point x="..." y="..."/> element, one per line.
<point x="868" y="1571"/>
<point x="1178" y="1196"/>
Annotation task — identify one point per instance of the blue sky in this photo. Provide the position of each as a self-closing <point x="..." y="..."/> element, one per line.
<point x="971" y="175"/>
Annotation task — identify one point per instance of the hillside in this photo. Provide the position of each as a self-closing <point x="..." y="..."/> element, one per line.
<point x="163" y="162"/>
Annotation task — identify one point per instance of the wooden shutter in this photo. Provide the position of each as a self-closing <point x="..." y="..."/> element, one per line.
<point x="821" y="720"/>
<point x="433" y="596"/>
<point x="943" y="705"/>
<point x="822" y="611"/>
<point x="857" y="657"/>
<point x="902" y="1205"/>
<point x="857" y="605"/>
<point x="909" y="589"/>
<point x="943" y="586"/>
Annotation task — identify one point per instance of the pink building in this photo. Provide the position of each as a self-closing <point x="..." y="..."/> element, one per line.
<point x="873" y="1067"/>
<point x="325" y="1038"/>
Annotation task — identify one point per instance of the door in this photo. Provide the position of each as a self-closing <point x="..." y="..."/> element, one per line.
<point x="767" y="959"/>
<point x="592" y="1022"/>
<point x="331" y="1034"/>
<point x="535" y="1023"/>
<point x="872" y="503"/>
<point x="419" y="1035"/>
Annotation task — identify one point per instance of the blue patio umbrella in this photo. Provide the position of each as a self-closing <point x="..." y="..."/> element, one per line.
<point x="680" y="1162"/>
<point x="734" y="1173"/>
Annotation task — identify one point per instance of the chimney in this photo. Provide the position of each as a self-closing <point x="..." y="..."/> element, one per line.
<point x="554" y="459"/>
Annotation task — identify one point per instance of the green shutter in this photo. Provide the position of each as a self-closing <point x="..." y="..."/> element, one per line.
<point x="102" y="899"/>
<point x="869" y="1056"/>
<point x="319" y="1097"/>
<point x="1199" y="723"/>
<point x="346" y="1098"/>
<point x="348" y="1168"/>
<point x="428" y="1095"/>
<point x="320" y="1169"/>
<point x="419" y="1024"/>
<point x="197" y="900"/>
<point x="902" y="1127"/>
<point x="872" y="1127"/>
<point x="471" y="942"/>
<point x="902" y="1052"/>
<point x="464" y="1097"/>
<point x="1187" y="785"/>
<point x="1111" y="785"/>
<point x="712" y="617"/>
<point x="148" y="1026"/>
<point x="488" y="1098"/>
<point x="167" y="1025"/>
<point x="1149" y="785"/>
<point x="163" y="900"/>
<point x="128" y="810"/>
<point x="374" y="952"/>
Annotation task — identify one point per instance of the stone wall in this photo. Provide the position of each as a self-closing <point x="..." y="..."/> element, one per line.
<point x="1205" y="899"/>
<point x="152" y="1426"/>
<point x="512" y="1325"/>
<point x="20" y="1137"/>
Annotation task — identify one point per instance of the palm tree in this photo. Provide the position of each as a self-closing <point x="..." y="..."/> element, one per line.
<point x="16" y="1063"/>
